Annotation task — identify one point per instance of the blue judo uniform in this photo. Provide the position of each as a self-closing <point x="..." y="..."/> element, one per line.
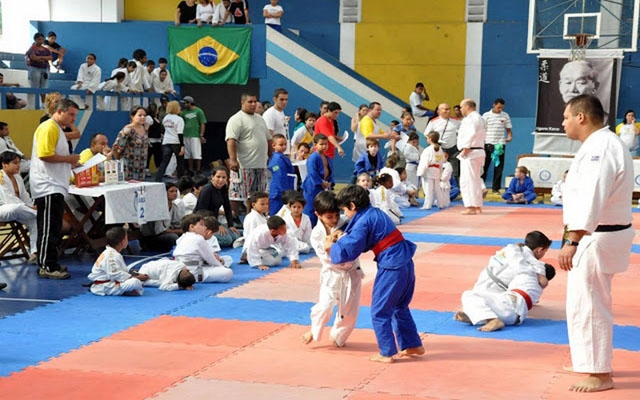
<point x="526" y="187"/>
<point x="282" y="176"/>
<point x="312" y="184"/>
<point x="395" y="280"/>
<point x="363" y="164"/>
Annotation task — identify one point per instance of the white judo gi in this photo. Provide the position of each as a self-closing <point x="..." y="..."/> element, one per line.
<point x="445" y="184"/>
<point x="162" y="273"/>
<point x="510" y="306"/>
<point x="302" y="233"/>
<point x="597" y="192"/>
<point x="227" y="261"/>
<point x="383" y="199"/>
<point x="412" y="155"/>
<point x="430" y="171"/>
<point x="194" y="251"/>
<point x="399" y="189"/>
<point x="556" y="193"/>
<point x="111" y="276"/>
<point x="89" y="78"/>
<point x="251" y="221"/>
<point x="18" y="207"/>
<point x="471" y="135"/>
<point x="340" y="286"/>
<point x="263" y="249"/>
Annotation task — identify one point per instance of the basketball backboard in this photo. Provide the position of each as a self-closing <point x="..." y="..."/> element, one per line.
<point x="611" y="24"/>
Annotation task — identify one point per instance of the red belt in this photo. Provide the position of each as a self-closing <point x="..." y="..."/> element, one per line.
<point x="433" y="166"/>
<point x="389" y="240"/>
<point x="101" y="282"/>
<point x="525" y="296"/>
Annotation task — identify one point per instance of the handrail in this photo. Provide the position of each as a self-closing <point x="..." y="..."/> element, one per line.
<point x="81" y="93"/>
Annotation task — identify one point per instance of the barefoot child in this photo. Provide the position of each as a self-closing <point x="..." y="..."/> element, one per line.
<point x="282" y="173"/>
<point x="339" y="283"/>
<point x="319" y="174"/>
<point x="212" y="225"/>
<point x="371" y="229"/>
<point x="430" y="170"/>
<point x="266" y="245"/>
<point x="110" y="274"/>
<point x="299" y="224"/>
<point x="193" y="250"/>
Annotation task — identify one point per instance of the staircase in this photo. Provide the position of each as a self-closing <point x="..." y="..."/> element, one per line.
<point x="476" y="11"/>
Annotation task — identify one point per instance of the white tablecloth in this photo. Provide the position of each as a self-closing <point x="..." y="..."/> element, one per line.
<point x="122" y="201"/>
<point x="546" y="171"/>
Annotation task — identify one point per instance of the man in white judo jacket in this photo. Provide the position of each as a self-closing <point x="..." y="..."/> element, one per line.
<point x="597" y="217"/>
<point x="471" y="138"/>
<point x="89" y="79"/>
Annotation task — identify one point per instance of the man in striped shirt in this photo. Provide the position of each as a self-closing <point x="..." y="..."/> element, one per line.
<point x="496" y="121"/>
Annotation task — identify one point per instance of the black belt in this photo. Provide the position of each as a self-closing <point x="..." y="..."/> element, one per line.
<point x="612" y="228"/>
<point x="476" y="148"/>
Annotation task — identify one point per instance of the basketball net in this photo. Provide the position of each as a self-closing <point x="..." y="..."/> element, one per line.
<point x="579" y="44"/>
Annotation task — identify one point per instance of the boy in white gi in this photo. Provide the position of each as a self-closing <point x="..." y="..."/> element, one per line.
<point x="339" y="283"/>
<point x="299" y="224"/>
<point x="110" y="274"/>
<point x="193" y="250"/>
<point x="495" y="310"/>
<point x="508" y="263"/>
<point x="167" y="275"/>
<point x="213" y="226"/>
<point x="259" y="203"/>
<point x="267" y="244"/>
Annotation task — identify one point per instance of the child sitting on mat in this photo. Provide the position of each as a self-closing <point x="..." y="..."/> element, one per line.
<point x="110" y="274"/>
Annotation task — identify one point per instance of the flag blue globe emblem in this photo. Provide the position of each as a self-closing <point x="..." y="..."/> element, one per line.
<point x="208" y="56"/>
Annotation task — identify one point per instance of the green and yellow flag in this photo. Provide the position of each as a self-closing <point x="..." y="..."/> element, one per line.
<point x="210" y="55"/>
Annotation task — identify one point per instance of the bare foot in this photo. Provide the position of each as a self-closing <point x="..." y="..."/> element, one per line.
<point x="412" y="351"/>
<point x="132" y="293"/>
<point x="469" y="211"/>
<point x="307" y="337"/>
<point x="462" y="317"/>
<point x="593" y="383"/>
<point x="263" y="268"/>
<point x="493" y="325"/>
<point x="478" y="210"/>
<point x="381" y="359"/>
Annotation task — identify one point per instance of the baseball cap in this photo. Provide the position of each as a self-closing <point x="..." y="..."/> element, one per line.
<point x="188" y="99"/>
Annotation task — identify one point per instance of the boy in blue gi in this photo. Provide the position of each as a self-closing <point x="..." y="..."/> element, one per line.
<point x="370" y="162"/>
<point x="319" y="175"/>
<point x="282" y="173"/>
<point x="371" y="229"/>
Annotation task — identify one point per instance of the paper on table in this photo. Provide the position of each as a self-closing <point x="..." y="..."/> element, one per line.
<point x="95" y="160"/>
<point x="345" y="136"/>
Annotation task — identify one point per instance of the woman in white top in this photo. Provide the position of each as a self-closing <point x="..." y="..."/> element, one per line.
<point x="204" y="12"/>
<point x="173" y="141"/>
<point x="360" y="143"/>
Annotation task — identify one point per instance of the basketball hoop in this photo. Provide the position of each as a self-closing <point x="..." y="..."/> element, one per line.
<point x="579" y="42"/>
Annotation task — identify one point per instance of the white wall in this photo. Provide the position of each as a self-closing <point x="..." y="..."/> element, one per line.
<point x="16" y="16"/>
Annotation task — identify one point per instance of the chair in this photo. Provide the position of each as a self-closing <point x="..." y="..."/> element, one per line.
<point x="14" y="240"/>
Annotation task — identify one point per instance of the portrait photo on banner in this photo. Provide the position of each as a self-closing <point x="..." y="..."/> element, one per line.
<point x="560" y="80"/>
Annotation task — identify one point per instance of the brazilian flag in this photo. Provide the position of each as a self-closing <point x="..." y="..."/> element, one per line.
<point x="209" y="55"/>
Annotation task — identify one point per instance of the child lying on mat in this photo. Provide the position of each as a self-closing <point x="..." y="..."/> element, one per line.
<point x="110" y="274"/>
<point x="167" y="275"/>
<point x="194" y="251"/>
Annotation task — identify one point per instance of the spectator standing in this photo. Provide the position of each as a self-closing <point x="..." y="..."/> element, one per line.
<point x="89" y="78"/>
<point x="274" y="117"/>
<point x="629" y="131"/>
<point x="447" y="126"/>
<point x="154" y="132"/>
<point x="416" y="98"/>
<point x="132" y="144"/>
<point x="38" y="58"/>
<point x="173" y="141"/>
<point x="248" y="144"/>
<point x="162" y="84"/>
<point x="325" y="125"/>
<point x="369" y="126"/>
<point x="186" y="12"/>
<point x="360" y="144"/>
<point x="57" y="53"/>
<point x="239" y="9"/>
<point x="272" y="13"/>
<point x="598" y="238"/>
<point x="49" y="177"/>
<point x="194" y="126"/>
<point x="204" y="12"/>
<point x="137" y="76"/>
<point x="497" y="121"/>
<point x="221" y="15"/>
<point x="471" y="144"/>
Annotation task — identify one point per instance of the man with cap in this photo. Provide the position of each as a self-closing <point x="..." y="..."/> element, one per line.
<point x="194" y="125"/>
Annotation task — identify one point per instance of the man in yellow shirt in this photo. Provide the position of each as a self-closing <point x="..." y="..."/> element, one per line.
<point x="99" y="144"/>
<point x="369" y="124"/>
<point x="49" y="176"/>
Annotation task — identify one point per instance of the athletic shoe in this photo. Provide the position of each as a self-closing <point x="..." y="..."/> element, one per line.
<point x="43" y="273"/>
<point x="2" y="285"/>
